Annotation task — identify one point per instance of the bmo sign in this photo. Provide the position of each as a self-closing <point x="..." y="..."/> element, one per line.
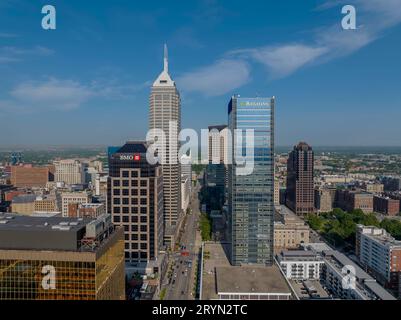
<point x="130" y="157"/>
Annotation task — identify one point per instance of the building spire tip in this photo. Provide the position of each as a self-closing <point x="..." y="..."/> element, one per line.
<point x="165" y="57"/>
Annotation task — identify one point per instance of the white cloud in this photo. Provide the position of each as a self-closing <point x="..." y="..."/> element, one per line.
<point x="283" y="60"/>
<point x="217" y="79"/>
<point x="51" y="94"/>
<point x="330" y="42"/>
<point x="63" y="95"/>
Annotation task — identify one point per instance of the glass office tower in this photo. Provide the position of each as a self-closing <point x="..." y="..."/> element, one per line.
<point x="251" y="195"/>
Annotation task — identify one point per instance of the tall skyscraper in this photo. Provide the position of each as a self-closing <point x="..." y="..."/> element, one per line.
<point x="165" y="114"/>
<point x="135" y="201"/>
<point x="251" y="196"/>
<point x="300" y="189"/>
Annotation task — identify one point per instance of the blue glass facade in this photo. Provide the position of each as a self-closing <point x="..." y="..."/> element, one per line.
<point x="251" y="196"/>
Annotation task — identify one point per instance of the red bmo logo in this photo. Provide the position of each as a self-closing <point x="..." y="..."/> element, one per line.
<point x="137" y="157"/>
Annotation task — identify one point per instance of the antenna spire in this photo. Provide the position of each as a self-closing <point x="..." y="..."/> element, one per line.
<point x="165" y="58"/>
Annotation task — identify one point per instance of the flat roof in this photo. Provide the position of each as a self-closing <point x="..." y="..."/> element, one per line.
<point x="298" y="253"/>
<point x="345" y="261"/>
<point x="24" y="198"/>
<point x="19" y="232"/>
<point x="379" y="290"/>
<point x="251" y="279"/>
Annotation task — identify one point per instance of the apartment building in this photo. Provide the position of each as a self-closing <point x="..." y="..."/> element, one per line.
<point x="380" y="253"/>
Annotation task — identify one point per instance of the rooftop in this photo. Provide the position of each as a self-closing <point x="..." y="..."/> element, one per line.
<point x="19" y="232"/>
<point x="133" y="147"/>
<point x="24" y="198"/>
<point x="251" y="279"/>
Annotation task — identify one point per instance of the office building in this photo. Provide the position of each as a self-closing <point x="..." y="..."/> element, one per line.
<point x="380" y="253"/>
<point x="165" y="115"/>
<point x="68" y="198"/>
<point x="69" y="171"/>
<point x="23" y="204"/>
<point x="276" y="192"/>
<point x="186" y="181"/>
<point x="46" y="204"/>
<point x="386" y="205"/>
<point x="290" y="232"/>
<point x="135" y="200"/>
<point x="349" y="200"/>
<point x="86" y="258"/>
<point x="325" y="198"/>
<point x="28" y="176"/>
<point x="86" y="210"/>
<point x="300" y="186"/>
<point x="251" y="186"/>
<point x="218" y="144"/>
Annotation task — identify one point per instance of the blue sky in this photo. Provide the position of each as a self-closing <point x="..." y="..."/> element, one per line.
<point x="88" y="81"/>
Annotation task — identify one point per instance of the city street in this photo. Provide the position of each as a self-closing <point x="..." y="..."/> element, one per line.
<point x="182" y="281"/>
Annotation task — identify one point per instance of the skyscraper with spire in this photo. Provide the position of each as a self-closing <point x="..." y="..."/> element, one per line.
<point x="165" y="114"/>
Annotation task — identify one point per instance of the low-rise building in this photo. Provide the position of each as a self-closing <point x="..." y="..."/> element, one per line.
<point x="373" y="187"/>
<point x="28" y="176"/>
<point x="324" y="199"/>
<point x="300" y="264"/>
<point x="349" y="200"/>
<point x="386" y="205"/>
<point x="86" y="210"/>
<point x="391" y="183"/>
<point x="23" y="204"/>
<point x="46" y="204"/>
<point x="73" y="197"/>
<point x="289" y="230"/>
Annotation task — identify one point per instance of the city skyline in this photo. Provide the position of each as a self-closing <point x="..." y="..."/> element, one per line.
<point x="86" y="72"/>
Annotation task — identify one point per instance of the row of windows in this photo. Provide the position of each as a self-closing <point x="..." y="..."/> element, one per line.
<point x="126" y="183"/>
<point x="126" y="219"/>
<point x="134" y="210"/>
<point x="134" y="192"/>
<point x="134" y="201"/>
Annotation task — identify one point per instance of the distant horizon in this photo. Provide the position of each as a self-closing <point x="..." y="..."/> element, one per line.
<point x="80" y="146"/>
